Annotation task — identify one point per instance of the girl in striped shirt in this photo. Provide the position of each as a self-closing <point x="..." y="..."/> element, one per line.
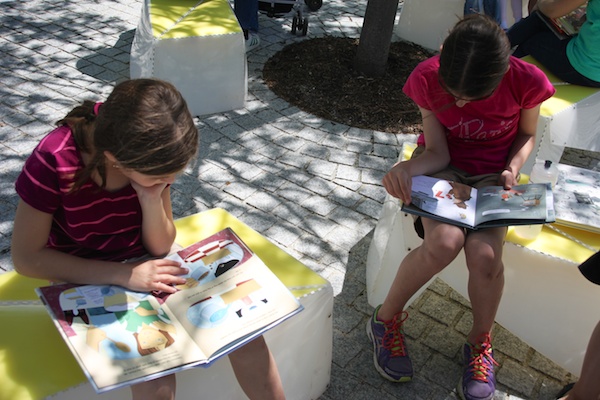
<point x="95" y="195"/>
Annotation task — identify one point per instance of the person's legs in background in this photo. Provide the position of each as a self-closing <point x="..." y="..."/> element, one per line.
<point x="532" y="37"/>
<point x="246" y="12"/>
<point x="491" y="8"/>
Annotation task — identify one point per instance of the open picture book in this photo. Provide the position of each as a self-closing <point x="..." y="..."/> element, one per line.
<point x="121" y="337"/>
<point x="463" y="205"/>
<point x="568" y="25"/>
<point x="577" y="198"/>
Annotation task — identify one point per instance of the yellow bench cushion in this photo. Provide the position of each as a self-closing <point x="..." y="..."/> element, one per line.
<point x="566" y="95"/>
<point x="35" y="362"/>
<point x="172" y="19"/>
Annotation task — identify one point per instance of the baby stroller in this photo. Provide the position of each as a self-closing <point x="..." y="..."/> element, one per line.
<point x="280" y="8"/>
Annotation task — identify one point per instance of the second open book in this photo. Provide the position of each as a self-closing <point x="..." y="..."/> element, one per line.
<point x="491" y="206"/>
<point x="121" y="337"/>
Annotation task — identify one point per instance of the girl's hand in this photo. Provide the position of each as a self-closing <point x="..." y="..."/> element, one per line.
<point x="160" y="275"/>
<point x="398" y="182"/>
<point x="507" y="179"/>
<point x="148" y="193"/>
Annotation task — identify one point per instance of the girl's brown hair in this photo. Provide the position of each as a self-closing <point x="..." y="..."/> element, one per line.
<point x="474" y="57"/>
<point x="144" y="123"/>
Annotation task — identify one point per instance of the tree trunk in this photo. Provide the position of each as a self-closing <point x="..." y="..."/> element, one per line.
<point x="376" y="35"/>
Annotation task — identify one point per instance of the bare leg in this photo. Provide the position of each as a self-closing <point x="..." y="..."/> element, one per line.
<point x="256" y="371"/>
<point x="157" y="389"/>
<point x="483" y="251"/>
<point x="588" y="386"/>
<point x="442" y="244"/>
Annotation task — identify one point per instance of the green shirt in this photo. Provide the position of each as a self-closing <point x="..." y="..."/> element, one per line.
<point x="583" y="51"/>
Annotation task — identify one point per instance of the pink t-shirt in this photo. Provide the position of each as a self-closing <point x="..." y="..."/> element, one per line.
<point x="90" y="223"/>
<point x="481" y="133"/>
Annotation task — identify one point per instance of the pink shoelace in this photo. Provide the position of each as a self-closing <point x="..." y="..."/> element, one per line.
<point x="393" y="340"/>
<point x="482" y="362"/>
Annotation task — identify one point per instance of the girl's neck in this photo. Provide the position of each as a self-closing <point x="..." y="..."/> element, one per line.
<point x="115" y="180"/>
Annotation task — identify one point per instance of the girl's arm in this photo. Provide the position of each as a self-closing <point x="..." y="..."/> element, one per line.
<point x="31" y="257"/>
<point x="158" y="229"/>
<point x="522" y="146"/>
<point x="558" y="8"/>
<point x="398" y="181"/>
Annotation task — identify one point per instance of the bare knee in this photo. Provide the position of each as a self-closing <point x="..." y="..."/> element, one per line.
<point x="485" y="263"/>
<point x="440" y="247"/>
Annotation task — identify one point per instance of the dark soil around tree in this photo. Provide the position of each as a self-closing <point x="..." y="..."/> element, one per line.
<point x="317" y="76"/>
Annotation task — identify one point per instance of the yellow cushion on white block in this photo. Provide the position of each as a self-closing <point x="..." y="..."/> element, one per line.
<point x="570" y="118"/>
<point x="196" y="45"/>
<point x="35" y="363"/>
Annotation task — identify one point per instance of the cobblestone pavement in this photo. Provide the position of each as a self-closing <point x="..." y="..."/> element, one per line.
<point x="309" y="185"/>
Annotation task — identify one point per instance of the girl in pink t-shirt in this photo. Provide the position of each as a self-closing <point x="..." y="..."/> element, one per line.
<point x="480" y="108"/>
<point x="95" y="195"/>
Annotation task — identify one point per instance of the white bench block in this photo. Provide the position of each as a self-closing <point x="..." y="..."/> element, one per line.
<point x="196" y="45"/>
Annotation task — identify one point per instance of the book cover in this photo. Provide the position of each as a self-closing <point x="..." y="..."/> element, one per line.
<point x="568" y="25"/>
<point x="465" y="206"/>
<point x="577" y="198"/>
<point x="121" y="337"/>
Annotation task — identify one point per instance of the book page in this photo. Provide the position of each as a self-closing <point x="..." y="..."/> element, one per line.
<point x="521" y="202"/>
<point x="244" y="300"/>
<point x="577" y="198"/>
<point x="572" y="22"/>
<point x="449" y="200"/>
<point x="117" y="335"/>
<point x="567" y="25"/>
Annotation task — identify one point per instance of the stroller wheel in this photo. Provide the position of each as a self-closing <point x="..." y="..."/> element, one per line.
<point x="313" y="5"/>
<point x="294" y="25"/>
<point x="305" y="27"/>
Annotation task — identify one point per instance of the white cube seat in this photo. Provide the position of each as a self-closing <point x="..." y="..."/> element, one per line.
<point x="196" y="45"/>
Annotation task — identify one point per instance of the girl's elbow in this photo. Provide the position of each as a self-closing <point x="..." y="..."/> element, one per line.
<point x="21" y="266"/>
<point x="159" y="251"/>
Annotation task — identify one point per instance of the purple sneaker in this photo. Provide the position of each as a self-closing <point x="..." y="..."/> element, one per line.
<point x="389" y="350"/>
<point x="478" y="381"/>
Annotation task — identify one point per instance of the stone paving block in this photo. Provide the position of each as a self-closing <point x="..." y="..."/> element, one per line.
<point x="348" y="172"/>
<point x="373" y="162"/>
<point x="291" y="212"/>
<point x="263" y="201"/>
<point x="349" y="184"/>
<point x="359" y="147"/>
<point x="241" y="190"/>
<point x="370" y="208"/>
<point x="515" y="376"/>
<point x="345" y="216"/>
<point x="318" y="226"/>
<point x="440" y="309"/>
<point x="320" y="186"/>
<point x="504" y="341"/>
<point x="294" y="192"/>
<point x="384" y="150"/>
<point x="315" y="151"/>
<point x="285" y="234"/>
<point x="375" y="192"/>
<point x="442" y="371"/>
<point x="318" y="205"/>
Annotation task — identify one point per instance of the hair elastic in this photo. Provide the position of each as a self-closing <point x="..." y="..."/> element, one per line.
<point x="97" y="107"/>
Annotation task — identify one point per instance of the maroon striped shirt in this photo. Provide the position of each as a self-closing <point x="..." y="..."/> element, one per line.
<point x="90" y="223"/>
